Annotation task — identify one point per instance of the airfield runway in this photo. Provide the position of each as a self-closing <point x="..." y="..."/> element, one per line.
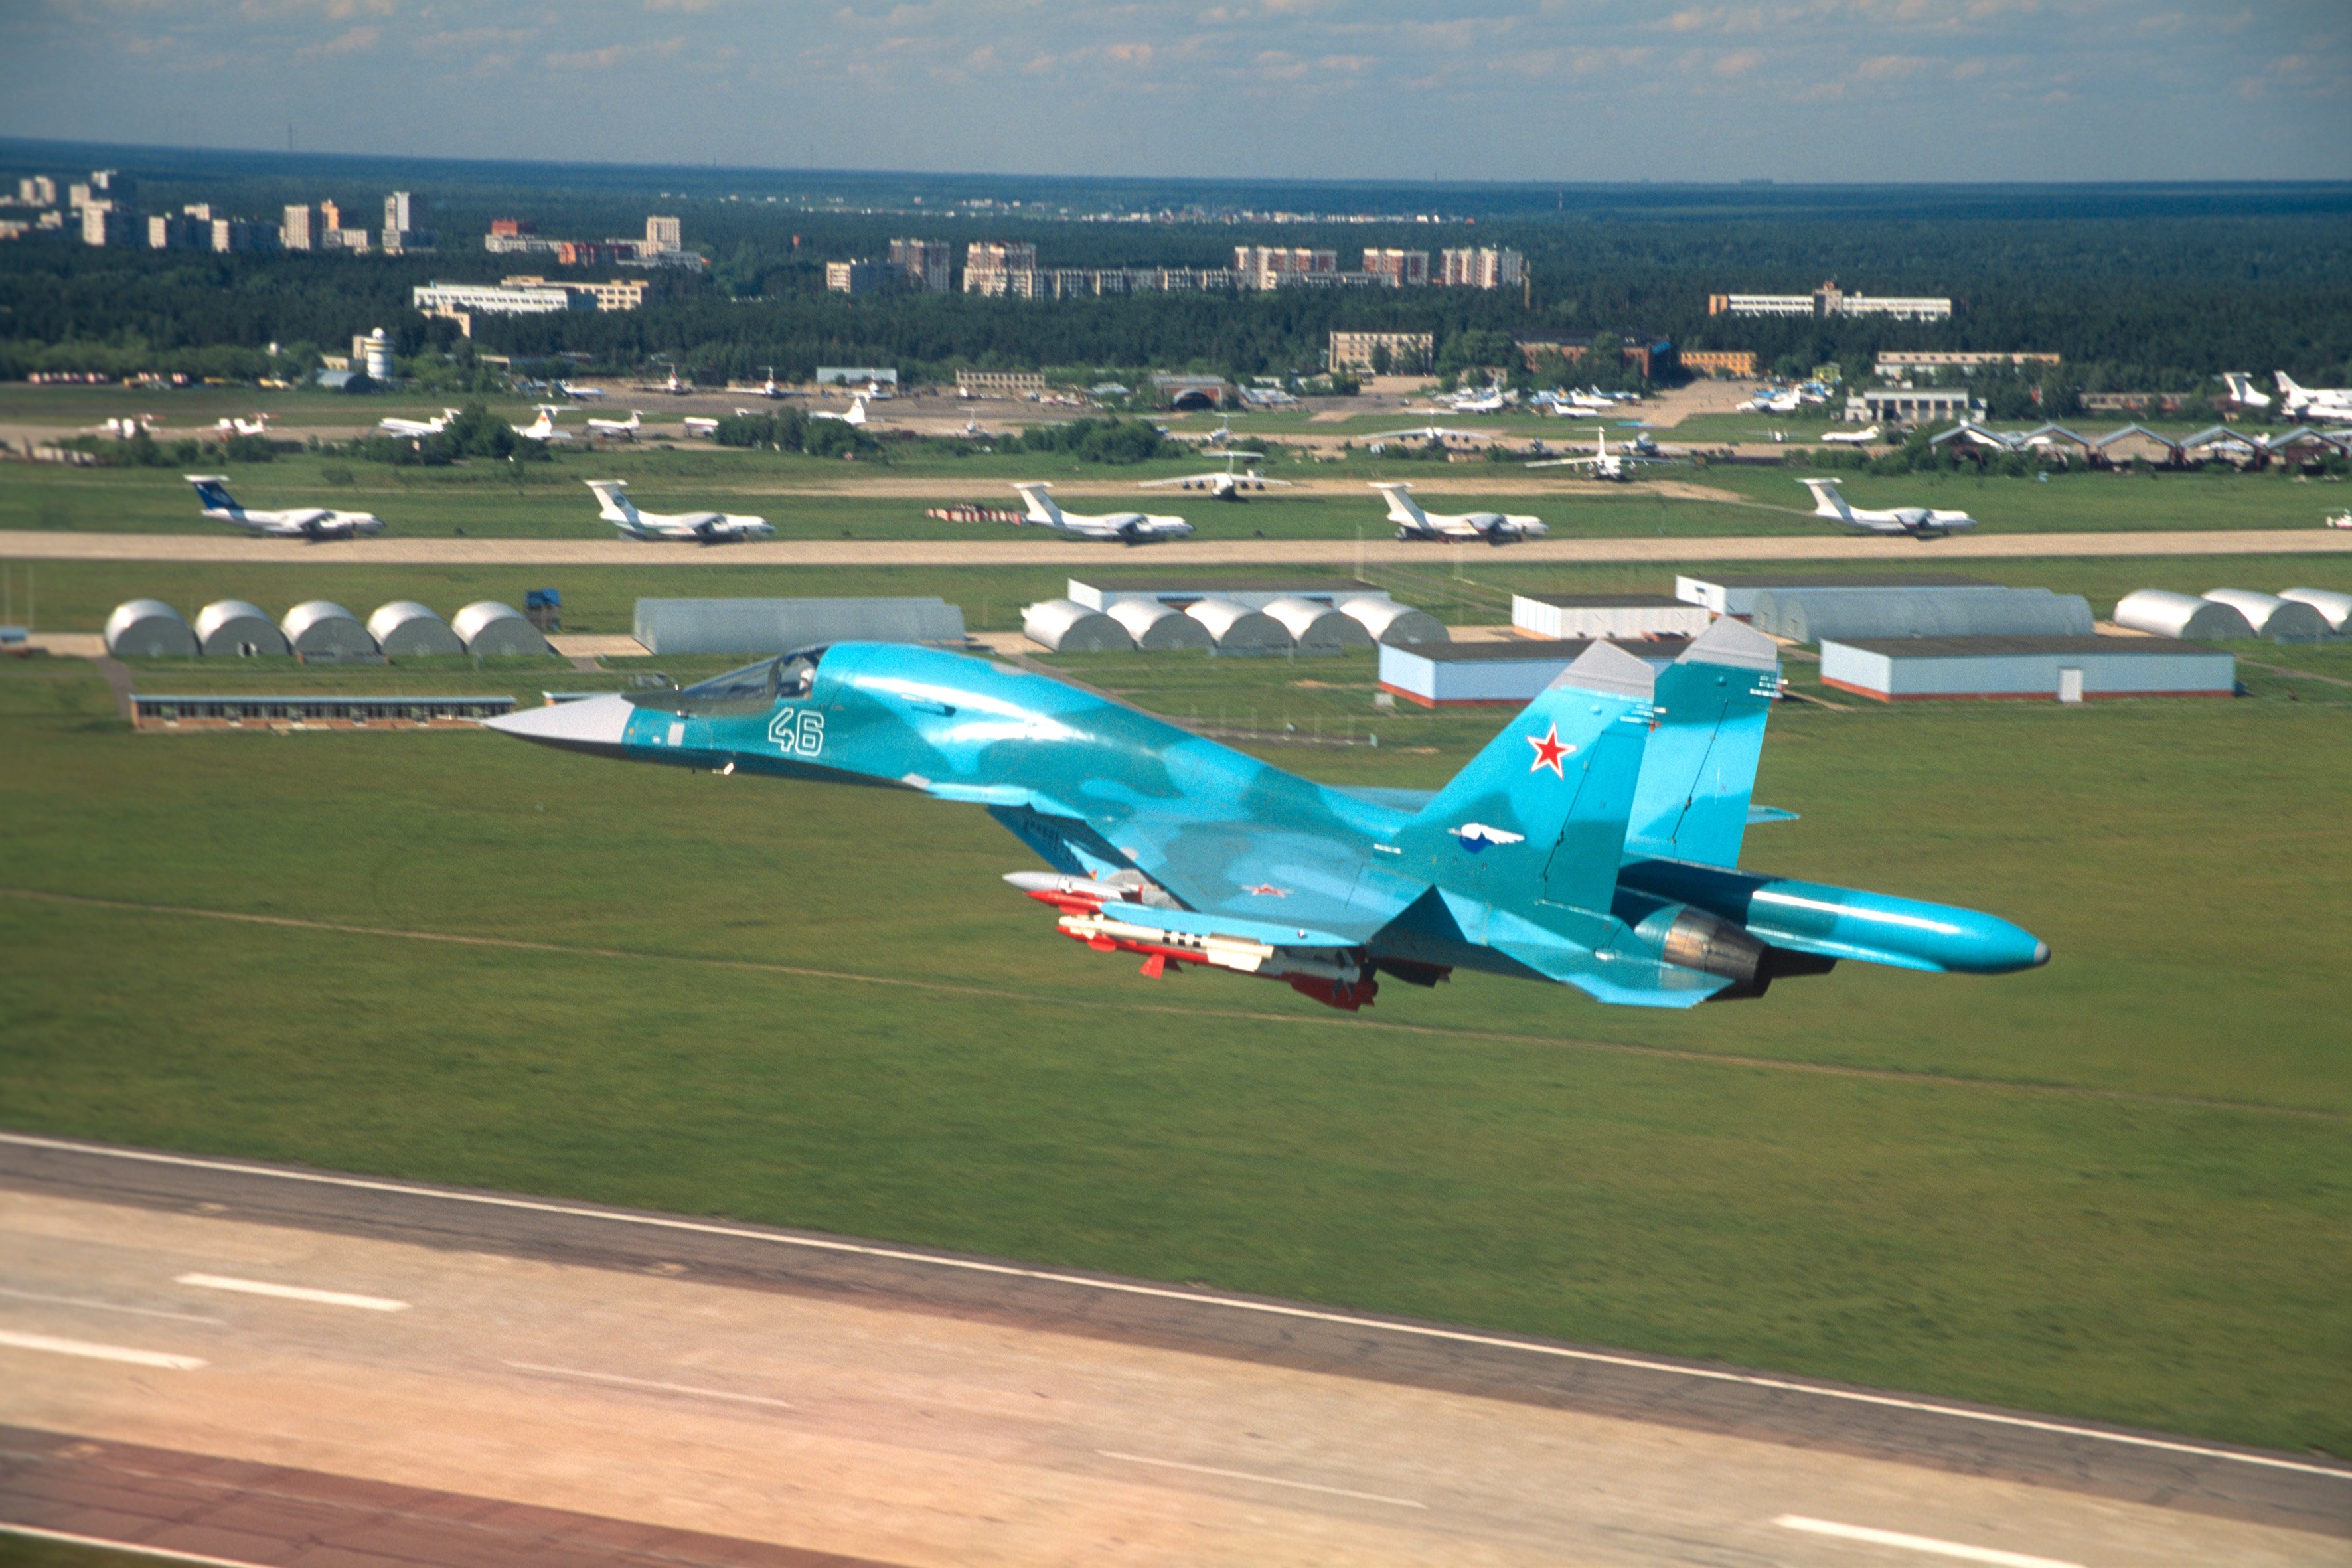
<point x="280" y="1366"/>
<point x="28" y="544"/>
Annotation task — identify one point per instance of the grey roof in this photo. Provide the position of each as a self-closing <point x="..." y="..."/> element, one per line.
<point x="1994" y="648"/>
<point x="1611" y="601"/>
<point x="1533" y="651"/>
<point x="1231" y="585"/>
<point x="1850" y="580"/>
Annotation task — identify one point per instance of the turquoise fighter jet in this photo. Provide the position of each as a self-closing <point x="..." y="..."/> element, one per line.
<point x="1594" y="842"/>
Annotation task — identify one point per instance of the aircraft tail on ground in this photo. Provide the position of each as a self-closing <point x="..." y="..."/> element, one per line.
<point x="1402" y="508"/>
<point x="1698" y="772"/>
<point x="1540" y="815"/>
<point x="2286" y="384"/>
<point x="1038" y="494"/>
<point x="613" y="503"/>
<point x="211" y="492"/>
<point x="1828" y="500"/>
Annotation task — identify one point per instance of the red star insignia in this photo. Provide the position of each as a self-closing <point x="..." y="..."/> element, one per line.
<point x="1549" y="751"/>
<point x="1269" y="890"/>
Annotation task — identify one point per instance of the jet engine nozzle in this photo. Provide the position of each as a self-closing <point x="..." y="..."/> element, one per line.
<point x="1712" y="945"/>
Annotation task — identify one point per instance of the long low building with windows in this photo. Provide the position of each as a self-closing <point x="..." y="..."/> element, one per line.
<point x="313" y="712"/>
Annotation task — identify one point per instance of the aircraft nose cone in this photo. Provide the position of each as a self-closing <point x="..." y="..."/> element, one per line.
<point x="588" y="724"/>
<point x="2041" y="953"/>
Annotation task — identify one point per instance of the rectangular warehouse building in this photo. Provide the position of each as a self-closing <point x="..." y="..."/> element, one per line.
<point x="1449" y="675"/>
<point x="1557" y="615"/>
<point x="2061" y="669"/>
<point x="1736" y="595"/>
<point x="781" y="626"/>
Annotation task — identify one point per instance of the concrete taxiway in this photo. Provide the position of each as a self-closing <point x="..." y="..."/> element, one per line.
<point x="1010" y="548"/>
<point x="261" y="1363"/>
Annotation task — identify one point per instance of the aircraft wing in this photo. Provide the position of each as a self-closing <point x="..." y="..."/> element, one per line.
<point x="1183" y="479"/>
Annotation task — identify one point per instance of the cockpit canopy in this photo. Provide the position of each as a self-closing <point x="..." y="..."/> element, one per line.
<point x="755" y="689"/>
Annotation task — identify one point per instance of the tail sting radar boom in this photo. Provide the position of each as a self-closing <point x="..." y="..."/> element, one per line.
<point x="1594" y="843"/>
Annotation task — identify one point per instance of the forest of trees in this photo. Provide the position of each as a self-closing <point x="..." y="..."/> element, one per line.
<point x="2148" y="290"/>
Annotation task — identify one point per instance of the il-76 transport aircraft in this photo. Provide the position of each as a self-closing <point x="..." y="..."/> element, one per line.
<point x="615" y="507"/>
<point x="2312" y="402"/>
<point x="1120" y="527"/>
<point x="1492" y="527"/>
<point x="1918" y="521"/>
<point x="311" y="523"/>
<point x="1594" y="842"/>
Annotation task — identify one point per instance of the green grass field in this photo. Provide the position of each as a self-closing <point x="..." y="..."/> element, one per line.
<point x="550" y="499"/>
<point x="2115" y="1187"/>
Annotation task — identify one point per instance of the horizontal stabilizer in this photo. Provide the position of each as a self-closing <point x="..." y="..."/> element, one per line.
<point x="1757" y="813"/>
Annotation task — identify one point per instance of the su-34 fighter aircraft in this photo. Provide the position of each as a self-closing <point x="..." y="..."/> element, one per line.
<point x="1120" y="527"/>
<point x="311" y="523"/>
<point x="613" y="505"/>
<point x="1492" y="527"/>
<point x="1594" y="842"/>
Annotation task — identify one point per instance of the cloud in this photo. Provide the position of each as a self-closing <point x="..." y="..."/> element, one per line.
<point x="1739" y="63"/>
<point x="611" y="55"/>
<point x="351" y="41"/>
<point x="1890" y="67"/>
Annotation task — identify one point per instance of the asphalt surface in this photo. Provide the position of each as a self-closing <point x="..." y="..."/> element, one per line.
<point x="1731" y="1432"/>
<point x="1027" y="548"/>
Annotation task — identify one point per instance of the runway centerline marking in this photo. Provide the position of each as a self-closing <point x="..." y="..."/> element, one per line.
<point x="128" y="1548"/>
<point x="85" y="1348"/>
<point x="1195" y="1298"/>
<point x="1260" y="1480"/>
<point x="292" y="1292"/>
<point x="108" y="1305"/>
<point x="1926" y="1544"/>
<point x="614" y="1377"/>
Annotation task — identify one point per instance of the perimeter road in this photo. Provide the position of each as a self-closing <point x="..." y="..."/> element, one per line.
<point x="29" y="544"/>
<point x="2138" y="1466"/>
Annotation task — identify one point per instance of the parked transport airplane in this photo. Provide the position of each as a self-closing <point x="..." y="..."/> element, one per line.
<point x="1918" y="521"/>
<point x="311" y="523"/>
<point x="1594" y="843"/>
<point x="257" y="426"/>
<point x="1123" y="526"/>
<point x="615" y="507"/>
<point x="543" y="427"/>
<point x="1605" y="464"/>
<point x="393" y="426"/>
<point x="1489" y="527"/>
<point x="855" y="415"/>
<point x="1850" y="438"/>
<point x="2312" y="402"/>
<point x="618" y="430"/>
<point x="2243" y="392"/>
<point x="574" y="390"/>
<point x="1227" y="485"/>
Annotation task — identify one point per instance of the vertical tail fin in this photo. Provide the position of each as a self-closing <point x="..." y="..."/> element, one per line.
<point x="212" y="494"/>
<point x="1828" y="500"/>
<point x="1698" y="772"/>
<point x="1042" y="509"/>
<point x="1402" y="508"/>
<point x="1539" y="816"/>
<point x="613" y="503"/>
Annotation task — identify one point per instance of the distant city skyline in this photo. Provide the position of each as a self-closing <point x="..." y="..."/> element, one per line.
<point x="1496" y="89"/>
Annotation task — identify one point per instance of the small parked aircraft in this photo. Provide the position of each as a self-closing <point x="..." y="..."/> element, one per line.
<point x="257" y="426"/>
<point x="311" y="522"/>
<point x="1918" y="521"/>
<point x="543" y="427"/>
<point x="1227" y="485"/>
<point x="1487" y="527"/>
<point x="415" y="428"/>
<point x="702" y="527"/>
<point x="1121" y="527"/>
<point x="618" y="430"/>
<point x="1850" y="438"/>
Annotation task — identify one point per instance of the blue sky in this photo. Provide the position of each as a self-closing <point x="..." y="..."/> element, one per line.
<point x="1542" y="90"/>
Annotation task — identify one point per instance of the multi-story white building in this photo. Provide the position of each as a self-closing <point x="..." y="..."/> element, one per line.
<point x="515" y="296"/>
<point x="860" y="277"/>
<point x="663" y="236"/>
<point x="1484" y="266"/>
<point x="923" y="263"/>
<point x="1274" y="266"/>
<point x="1397" y="268"/>
<point x="36" y="191"/>
<point x="1405" y="352"/>
<point x="294" y="232"/>
<point x="1828" y="300"/>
